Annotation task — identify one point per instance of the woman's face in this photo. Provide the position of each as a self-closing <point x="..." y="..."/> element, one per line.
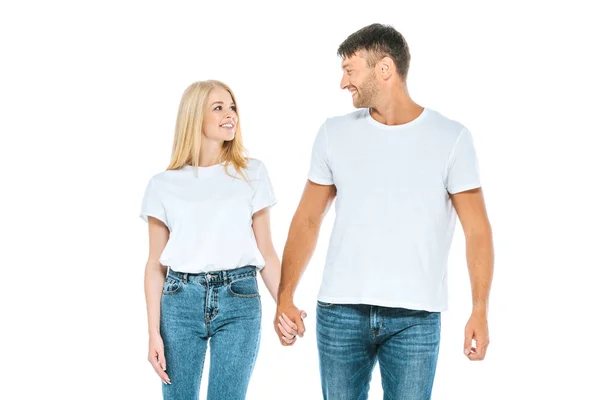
<point x="220" y="116"/>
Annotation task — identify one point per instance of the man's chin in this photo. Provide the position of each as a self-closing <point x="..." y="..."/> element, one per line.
<point x="358" y="104"/>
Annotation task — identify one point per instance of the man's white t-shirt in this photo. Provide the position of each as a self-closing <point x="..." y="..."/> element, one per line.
<point x="209" y="215"/>
<point x="394" y="217"/>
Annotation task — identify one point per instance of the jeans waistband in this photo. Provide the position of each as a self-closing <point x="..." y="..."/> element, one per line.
<point x="223" y="276"/>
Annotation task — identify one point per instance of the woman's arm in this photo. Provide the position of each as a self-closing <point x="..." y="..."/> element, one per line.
<point x="271" y="273"/>
<point x="154" y="280"/>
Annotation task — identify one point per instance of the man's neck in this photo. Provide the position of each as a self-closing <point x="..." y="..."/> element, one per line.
<point x="395" y="108"/>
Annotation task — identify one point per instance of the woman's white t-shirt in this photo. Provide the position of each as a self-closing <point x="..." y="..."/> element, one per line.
<point x="209" y="215"/>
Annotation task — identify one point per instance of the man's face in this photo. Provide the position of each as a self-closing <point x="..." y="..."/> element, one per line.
<point x="360" y="80"/>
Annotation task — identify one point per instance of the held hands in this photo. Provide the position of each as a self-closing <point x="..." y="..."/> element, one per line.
<point x="289" y="324"/>
<point x="476" y="329"/>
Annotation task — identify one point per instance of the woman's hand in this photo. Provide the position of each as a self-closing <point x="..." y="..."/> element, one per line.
<point x="287" y="327"/>
<point x="156" y="356"/>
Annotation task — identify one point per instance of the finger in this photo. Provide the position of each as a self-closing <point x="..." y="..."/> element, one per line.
<point x="468" y="342"/>
<point x="289" y="328"/>
<point x="482" y="345"/>
<point x="161" y="360"/>
<point x="476" y="355"/>
<point x="286" y="342"/>
<point x="281" y="332"/>
<point x="287" y="331"/>
<point x="285" y="334"/>
<point x="161" y="365"/>
<point x="301" y="328"/>
<point x="159" y="371"/>
<point x="289" y="321"/>
<point x="303" y="314"/>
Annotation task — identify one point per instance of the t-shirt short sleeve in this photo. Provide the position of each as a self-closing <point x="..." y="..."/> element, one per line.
<point x="463" y="167"/>
<point x="264" y="195"/>
<point x="151" y="204"/>
<point x="320" y="170"/>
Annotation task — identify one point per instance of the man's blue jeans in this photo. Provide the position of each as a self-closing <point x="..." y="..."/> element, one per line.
<point x="352" y="337"/>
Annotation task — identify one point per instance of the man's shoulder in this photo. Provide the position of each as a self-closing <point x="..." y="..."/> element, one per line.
<point x="443" y="125"/>
<point x="343" y="121"/>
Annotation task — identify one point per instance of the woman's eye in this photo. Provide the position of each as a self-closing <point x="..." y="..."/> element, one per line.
<point x="234" y="108"/>
<point x="218" y="108"/>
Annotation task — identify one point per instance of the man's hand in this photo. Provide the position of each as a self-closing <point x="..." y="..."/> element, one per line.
<point x="476" y="329"/>
<point x="289" y="323"/>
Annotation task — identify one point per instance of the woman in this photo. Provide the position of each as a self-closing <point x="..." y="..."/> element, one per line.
<point x="208" y="218"/>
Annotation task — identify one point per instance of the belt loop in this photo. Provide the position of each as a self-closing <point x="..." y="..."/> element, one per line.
<point x="225" y="278"/>
<point x="185" y="277"/>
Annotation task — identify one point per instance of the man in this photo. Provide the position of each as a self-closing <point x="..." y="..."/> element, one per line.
<point x="401" y="174"/>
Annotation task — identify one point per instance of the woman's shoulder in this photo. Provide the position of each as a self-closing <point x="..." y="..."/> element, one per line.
<point x="255" y="162"/>
<point x="166" y="176"/>
<point x="254" y="165"/>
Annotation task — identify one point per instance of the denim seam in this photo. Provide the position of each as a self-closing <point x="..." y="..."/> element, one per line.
<point x="206" y="307"/>
<point x="241" y="276"/>
<point x="215" y="305"/>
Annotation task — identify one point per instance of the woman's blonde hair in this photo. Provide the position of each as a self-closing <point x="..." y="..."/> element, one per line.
<point x="188" y="130"/>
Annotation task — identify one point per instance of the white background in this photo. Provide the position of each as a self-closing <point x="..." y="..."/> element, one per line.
<point x="89" y="95"/>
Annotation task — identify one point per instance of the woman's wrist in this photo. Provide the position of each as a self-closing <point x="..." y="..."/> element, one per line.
<point x="153" y="331"/>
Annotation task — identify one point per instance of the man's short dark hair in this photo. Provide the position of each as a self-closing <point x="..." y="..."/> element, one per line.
<point x="378" y="41"/>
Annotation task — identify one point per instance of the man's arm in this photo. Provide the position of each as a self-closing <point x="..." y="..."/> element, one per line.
<point x="300" y="245"/>
<point x="470" y="208"/>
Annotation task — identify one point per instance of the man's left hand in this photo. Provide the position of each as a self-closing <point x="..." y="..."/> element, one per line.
<point x="476" y="329"/>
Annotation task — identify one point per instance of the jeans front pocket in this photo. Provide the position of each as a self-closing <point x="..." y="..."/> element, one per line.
<point x="246" y="287"/>
<point x="323" y="304"/>
<point x="172" y="285"/>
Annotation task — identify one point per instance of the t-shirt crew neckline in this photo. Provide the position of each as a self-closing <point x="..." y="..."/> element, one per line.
<point x="205" y="172"/>
<point x="407" y="125"/>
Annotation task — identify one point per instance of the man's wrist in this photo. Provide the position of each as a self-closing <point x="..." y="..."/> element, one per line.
<point x="285" y="299"/>
<point x="480" y="309"/>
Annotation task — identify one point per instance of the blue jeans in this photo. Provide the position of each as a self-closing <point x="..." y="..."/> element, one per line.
<point x="352" y="337"/>
<point x="221" y="308"/>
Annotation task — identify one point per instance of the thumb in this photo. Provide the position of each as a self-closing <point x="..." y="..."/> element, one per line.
<point x="303" y="314"/>
<point x="468" y="345"/>
<point x="301" y="327"/>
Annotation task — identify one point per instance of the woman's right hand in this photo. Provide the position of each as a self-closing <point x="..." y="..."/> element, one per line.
<point x="156" y="356"/>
